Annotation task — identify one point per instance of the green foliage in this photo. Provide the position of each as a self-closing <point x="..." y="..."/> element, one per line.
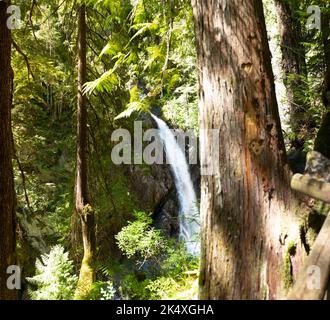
<point x="178" y="277"/>
<point x="45" y="150"/>
<point x="178" y="261"/>
<point x="42" y="122"/>
<point x="102" y="290"/>
<point x="167" y="288"/>
<point x="54" y="279"/>
<point x="141" y="54"/>
<point x="182" y="109"/>
<point x="158" y="57"/>
<point x="167" y="271"/>
<point x="133" y="288"/>
<point x="140" y="239"/>
<point x="306" y="86"/>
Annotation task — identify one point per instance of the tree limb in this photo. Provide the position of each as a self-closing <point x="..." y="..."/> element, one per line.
<point x="25" y="57"/>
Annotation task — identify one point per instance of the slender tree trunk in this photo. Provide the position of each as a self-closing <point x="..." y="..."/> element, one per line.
<point x="322" y="143"/>
<point x="294" y="67"/>
<point x="7" y="194"/>
<point x="249" y="235"/>
<point x="325" y="20"/>
<point x="82" y="205"/>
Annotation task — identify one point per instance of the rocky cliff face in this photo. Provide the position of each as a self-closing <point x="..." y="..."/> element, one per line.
<point x="157" y="194"/>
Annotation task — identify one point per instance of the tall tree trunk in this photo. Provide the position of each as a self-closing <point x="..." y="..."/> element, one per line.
<point x="7" y="194"/>
<point x="82" y="206"/>
<point x="293" y="67"/>
<point x="326" y="44"/>
<point x="249" y="235"/>
<point x="322" y="143"/>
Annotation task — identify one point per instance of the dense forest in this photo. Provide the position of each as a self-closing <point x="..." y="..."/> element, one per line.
<point x="164" y="150"/>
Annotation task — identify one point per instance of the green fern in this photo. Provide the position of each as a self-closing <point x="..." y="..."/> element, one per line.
<point x="54" y="279"/>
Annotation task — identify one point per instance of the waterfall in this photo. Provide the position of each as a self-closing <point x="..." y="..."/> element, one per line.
<point x="189" y="213"/>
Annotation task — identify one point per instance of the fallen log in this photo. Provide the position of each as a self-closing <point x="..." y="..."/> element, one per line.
<point x="315" y="188"/>
<point x="313" y="281"/>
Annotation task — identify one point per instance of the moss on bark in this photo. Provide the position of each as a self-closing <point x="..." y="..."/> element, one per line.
<point x="86" y="278"/>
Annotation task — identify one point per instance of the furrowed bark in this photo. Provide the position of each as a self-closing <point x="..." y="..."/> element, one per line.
<point x="247" y="207"/>
<point x="7" y="193"/>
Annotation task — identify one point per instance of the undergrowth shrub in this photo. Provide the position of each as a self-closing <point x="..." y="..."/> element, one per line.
<point x="157" y="267"/>
<point x="54" y="279"/>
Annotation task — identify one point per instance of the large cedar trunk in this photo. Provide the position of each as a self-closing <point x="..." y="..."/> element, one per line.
<point x="7" y="195"/>
<point x="250" y="239"/>
<point x="294" y="67"/>
<point x="82" y="206"/>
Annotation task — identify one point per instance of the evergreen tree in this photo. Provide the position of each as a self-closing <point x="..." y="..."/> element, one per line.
<point x="7" y="195"/>
<point x="246" y="206"/>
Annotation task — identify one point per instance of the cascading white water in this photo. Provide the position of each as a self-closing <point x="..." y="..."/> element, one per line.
<point x="189" y="213"/>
